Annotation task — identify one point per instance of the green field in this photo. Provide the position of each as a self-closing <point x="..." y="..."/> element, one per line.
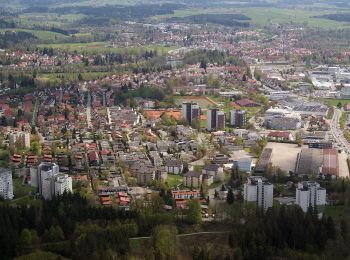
<point x="41" y="35"/>
<point x="263" y="16"/>
<point x="334" y="102"/>
<point x="200" y="100"/>
<point x="103" y="47"/>
<point x="174" y="180"/>
<point x="336" y="211"/>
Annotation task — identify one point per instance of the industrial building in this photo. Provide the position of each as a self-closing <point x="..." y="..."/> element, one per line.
<point x="318" y="161"/>
<point x="264" y="161"/>
<point x="282" y="119"/>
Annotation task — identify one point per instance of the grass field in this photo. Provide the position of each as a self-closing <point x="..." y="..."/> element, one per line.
<point x="263" y="16"/>
<point x="336" y="211"/>
<point x="174" y="180"/>
<point x="41" y="35"/>
<point x="98" y="47"/>
<point x="334" y="102"/>
<point x="202" y="101"/>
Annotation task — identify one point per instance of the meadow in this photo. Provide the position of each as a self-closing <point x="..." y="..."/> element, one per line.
<point x="40" y="34"/>
<point x="262" y="16"/>
<point x="104" y="47"/>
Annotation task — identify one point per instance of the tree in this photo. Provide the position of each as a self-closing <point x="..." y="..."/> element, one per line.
<point x="339" y="105"/>
<point x="55" y="234"/>
<point x="230" y="197"/>
<point x="164" y="241"/>
<point x="194" y="212"/>
<point x="25" y="238"/>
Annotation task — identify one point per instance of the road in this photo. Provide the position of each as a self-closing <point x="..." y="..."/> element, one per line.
<point x="337" y="132"/>
<point x="186" y="235"/>
<point x="88" y="111"/>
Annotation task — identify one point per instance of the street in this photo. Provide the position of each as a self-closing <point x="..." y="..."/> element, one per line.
<point x="337" y="132"/>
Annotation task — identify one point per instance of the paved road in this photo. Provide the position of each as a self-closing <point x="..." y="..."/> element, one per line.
<point x="88" y="111"/>
<point x="337" y="132"/>
<point x="186" y="235"/>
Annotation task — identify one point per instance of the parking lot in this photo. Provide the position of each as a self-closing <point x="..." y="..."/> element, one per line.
<point x="284" y="156"/>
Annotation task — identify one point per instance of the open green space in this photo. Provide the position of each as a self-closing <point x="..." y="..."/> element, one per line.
<point x="40" y="34"/>
<point x="202" y="101"/>
<point x="263" y="16"/>
<point x="173" y="180"/>
<point x="335" y="102"/>
<point x="336" y="212"/>
<point x="98" y="47"/>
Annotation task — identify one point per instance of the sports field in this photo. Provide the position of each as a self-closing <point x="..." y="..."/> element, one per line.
<point x="202" y="101"/>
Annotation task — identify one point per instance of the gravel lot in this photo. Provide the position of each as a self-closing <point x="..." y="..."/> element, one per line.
<point x="284" y="156"/>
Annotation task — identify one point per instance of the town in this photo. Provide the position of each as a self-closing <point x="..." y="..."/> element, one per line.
<point x="179" y="127"/>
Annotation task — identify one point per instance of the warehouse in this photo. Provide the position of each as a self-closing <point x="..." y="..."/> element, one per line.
<point x="318" y="161"/>
<point x="264" y="161"/>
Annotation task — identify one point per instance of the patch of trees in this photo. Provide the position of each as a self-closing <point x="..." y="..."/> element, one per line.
<point x="7" y="24"/>
<point x="57" y="220"/>
<point x="120" y="12"/>
<point x="204" y="57"/>
<point x="285" y="231"/>
<point x="340" y="17"/>
<point x="9" y="38"/>
<point x="126" y="95"/>
<point x="232" y="20"/>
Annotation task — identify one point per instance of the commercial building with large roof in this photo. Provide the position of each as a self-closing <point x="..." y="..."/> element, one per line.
<point x="318" y="161"/>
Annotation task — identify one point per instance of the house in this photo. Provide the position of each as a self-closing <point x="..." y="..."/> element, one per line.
<point x="214" y="170"/>
<point x="246" y="103"/>
<point x="94" y="158"/>
<point x="193" y="179"/>
<point x="280" y="136"/>
<point x="174" y="166"/>
<point x="182" y="196"/>
<point x="347" y="107"/>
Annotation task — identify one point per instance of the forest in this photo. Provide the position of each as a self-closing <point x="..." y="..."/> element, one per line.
<point x="72" y="227"/>
<point x="8" y="38"/>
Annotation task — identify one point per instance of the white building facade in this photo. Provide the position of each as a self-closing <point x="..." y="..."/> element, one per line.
<point x="6" y="184"/>
<point x="259" y="191"/>
<point x="310" y="194"/>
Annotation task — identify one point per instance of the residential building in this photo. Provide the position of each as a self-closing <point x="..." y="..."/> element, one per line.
<point x="193" y="179"/>
<point x="45" y="172"/>
<point x="310" y="194"/>
<point x="238" y="118"/>
<point x="214" y="170"/>
<point x="258" y="190"/>
<point x="63" y="183"/>
<point x="174" y="166"/>
<point x="22" y="139"/>
<point x="6" y="184"/>
<point x="216" y="119"/>
<point x="191" y="111"/>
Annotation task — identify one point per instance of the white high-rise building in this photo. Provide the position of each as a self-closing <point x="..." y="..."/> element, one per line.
<point x="6" y="184"/>
<point x="308" y="194"/>
<point x="50" y="181"/>
<point x="45" y="171"/>
<point x="258" y="190"/>
<point x="19" y="138"/>
<point x="63" y="183"/>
